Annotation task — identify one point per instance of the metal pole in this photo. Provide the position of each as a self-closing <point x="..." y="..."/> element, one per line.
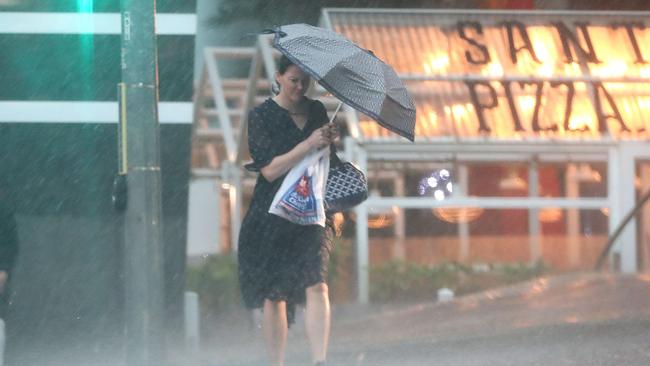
<point x="619" y="229"/>
<point x="534" y="227"/>
<point x="363" y="253"/>
<point x="141" y="150"/>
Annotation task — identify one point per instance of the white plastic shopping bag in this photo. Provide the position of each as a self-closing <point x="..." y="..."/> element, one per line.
<point x="300" y="197"/>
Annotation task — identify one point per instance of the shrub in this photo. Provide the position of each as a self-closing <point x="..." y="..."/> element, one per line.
<point x="403" y="281"/>
<point x="400" y="280"/>
<point x="341" y="274"/>
<point x="517" y="272"/>
<point x="215" y="280"/>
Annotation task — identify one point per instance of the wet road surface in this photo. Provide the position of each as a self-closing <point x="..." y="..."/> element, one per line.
<point x="579" y="319"/>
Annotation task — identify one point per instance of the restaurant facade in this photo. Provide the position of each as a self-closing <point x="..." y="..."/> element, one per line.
<point x="531" y="137"/>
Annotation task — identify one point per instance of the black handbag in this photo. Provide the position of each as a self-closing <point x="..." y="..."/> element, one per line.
<point x="346" y="187"/>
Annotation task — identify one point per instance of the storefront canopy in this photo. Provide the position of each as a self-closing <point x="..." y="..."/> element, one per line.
<point x="512" y="76"/>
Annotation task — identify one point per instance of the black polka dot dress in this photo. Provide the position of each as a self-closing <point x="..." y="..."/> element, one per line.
<point x="278" y="259"/>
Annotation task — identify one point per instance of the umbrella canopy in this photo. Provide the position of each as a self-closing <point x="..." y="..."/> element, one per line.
<point x="352" y="74"/>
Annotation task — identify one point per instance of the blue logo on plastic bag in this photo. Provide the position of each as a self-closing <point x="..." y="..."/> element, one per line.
<point x="299" y="201"/>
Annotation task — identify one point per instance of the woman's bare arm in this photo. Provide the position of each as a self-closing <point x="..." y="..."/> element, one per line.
<point x="283" y="163"/>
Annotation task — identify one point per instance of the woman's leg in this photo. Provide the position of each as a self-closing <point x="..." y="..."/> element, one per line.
<point x="275" y="330"/>
<point x="317" y="320"/>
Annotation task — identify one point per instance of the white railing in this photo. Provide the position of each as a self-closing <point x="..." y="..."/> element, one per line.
<point x="83" y="112"/>
<point x="88" y="23"/>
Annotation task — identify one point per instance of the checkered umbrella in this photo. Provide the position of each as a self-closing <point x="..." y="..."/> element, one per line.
<point x="352" y="74"/>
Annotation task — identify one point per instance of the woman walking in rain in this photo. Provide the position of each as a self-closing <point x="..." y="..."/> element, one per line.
<point x="282" y="264"/>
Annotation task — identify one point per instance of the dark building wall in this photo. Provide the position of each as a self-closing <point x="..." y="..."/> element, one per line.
<point x="68" y="304"/>
<point x="68" y="281"/>
<point x="85" y="67"/>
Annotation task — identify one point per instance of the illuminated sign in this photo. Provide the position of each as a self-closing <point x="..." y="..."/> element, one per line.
<point x="518" y="40"/>
<point x="501" y="75"/>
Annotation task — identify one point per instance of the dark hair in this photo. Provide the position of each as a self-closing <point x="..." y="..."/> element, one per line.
<point x="283" y="65"/>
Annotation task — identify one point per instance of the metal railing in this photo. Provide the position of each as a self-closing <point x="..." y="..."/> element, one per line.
<point x="612" y="238"/>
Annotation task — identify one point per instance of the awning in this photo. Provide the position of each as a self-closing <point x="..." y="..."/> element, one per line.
<point x="513" y="75"/>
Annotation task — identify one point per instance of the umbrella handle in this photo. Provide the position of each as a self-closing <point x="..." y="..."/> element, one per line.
<point x="336" y="111"/>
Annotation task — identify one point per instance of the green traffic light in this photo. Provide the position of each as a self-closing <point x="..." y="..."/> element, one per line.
<point x="85" y="6"/>
<point x="86" y="48"/>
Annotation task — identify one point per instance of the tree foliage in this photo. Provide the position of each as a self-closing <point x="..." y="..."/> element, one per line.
<point x="275" y="12"/>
